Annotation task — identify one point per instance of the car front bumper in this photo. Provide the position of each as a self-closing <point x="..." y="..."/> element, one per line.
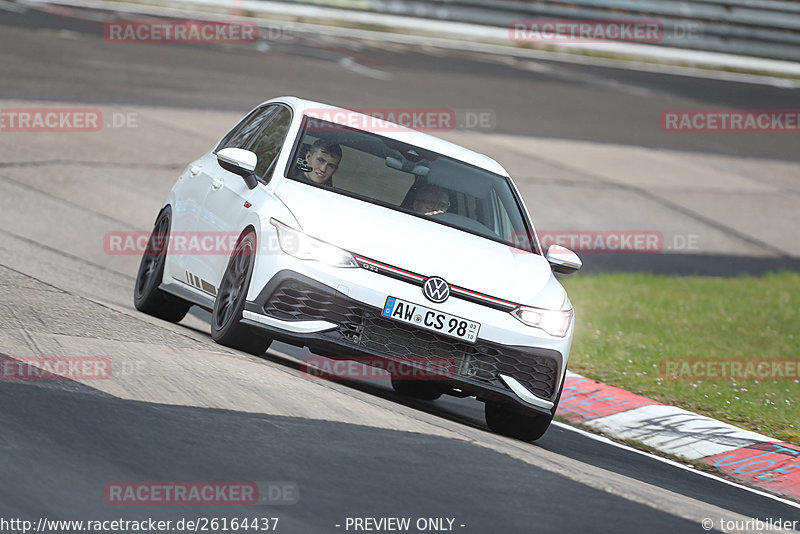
<point x="298" y="309"/>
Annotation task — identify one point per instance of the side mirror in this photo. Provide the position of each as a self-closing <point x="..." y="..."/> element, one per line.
<point x="241" y="162"/>
<point x="563" y="260"/>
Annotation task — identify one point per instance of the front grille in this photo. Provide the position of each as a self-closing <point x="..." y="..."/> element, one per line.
<point x="480" y="362"/>
<point x="296" y="301"/>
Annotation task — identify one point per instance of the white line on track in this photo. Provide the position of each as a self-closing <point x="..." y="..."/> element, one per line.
<point x="668" y="461"/>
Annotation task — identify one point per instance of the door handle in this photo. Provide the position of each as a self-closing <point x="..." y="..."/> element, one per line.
<point x="216" y="183"/>
<point x="195" y="170"/>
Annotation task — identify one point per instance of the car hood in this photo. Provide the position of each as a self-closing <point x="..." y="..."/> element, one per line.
<point x="422" y="246"/>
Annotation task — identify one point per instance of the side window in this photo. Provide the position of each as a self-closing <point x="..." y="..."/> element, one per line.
<point x="270" y="140"/>
<point x="242" y="133"/>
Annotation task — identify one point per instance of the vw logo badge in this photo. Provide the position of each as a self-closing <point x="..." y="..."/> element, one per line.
<point x="436" y="289"/>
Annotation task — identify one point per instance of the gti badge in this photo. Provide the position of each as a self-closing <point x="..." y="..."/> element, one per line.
<point x="436" y="289"/>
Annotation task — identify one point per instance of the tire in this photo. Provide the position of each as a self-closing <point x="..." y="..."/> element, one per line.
<point x="226" y="328"/>
<point x="147" y="297"/>
<point x="419" y="389"/>
<point x="514" y="424"/>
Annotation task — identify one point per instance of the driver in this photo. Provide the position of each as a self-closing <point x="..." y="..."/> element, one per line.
<point x="323" y="158"/>
<point x="431" y="200"/>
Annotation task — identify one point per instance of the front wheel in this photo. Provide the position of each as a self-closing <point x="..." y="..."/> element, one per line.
<point x="226" y="326"/>
<point x="147" y="297"/>
<point x="514" y="424"/>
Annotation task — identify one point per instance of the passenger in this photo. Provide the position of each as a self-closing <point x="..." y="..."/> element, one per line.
<point x="431" y="200"/>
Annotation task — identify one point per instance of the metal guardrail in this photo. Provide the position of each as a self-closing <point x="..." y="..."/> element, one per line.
<point x="762" y="28"/>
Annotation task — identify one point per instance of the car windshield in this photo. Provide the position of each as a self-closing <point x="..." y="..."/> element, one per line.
<point x="411" y="179"/>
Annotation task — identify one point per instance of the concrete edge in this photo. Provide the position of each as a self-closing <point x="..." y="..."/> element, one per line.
<point x="745" y="456"/>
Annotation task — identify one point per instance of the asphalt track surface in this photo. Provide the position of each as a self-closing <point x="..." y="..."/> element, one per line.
<point x="195" y="411"/>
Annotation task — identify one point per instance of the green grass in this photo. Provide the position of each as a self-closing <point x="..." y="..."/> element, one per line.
<point x="627" y="324"/>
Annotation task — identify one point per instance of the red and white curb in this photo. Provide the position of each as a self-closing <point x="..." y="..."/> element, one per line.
<point x="747" y="456"/>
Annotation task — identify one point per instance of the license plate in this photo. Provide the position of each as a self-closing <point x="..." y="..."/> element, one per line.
<point x="433" y="320"/>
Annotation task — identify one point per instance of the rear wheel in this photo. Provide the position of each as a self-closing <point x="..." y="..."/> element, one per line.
<point x="418" y="389"/>
<point x="147" y="297"/>
<point x="512" y="423"/>
<point x="226" y="326"/>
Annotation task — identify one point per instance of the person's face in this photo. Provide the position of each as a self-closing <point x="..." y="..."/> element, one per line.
<point x="323" y="165"/>
<point x="431" y="202"/>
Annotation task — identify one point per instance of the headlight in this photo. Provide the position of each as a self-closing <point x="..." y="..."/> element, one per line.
<point x="299" y="245"/>
<point x="554" y="322"/>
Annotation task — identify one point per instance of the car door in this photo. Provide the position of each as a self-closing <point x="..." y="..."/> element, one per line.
<point x="224" y="207"/>
<point x="189" y="220"/>
<point x="190" y="193"/>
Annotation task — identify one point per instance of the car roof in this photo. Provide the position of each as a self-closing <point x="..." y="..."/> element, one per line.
<point x="390" y="130"/>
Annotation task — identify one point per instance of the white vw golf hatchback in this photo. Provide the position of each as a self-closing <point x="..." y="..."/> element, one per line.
<point x="361" y="239"/>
